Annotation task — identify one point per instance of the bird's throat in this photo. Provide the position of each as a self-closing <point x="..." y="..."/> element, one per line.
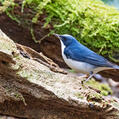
<point x="62" y="47"/>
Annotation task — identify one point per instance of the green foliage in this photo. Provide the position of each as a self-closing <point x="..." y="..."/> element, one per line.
<point x="8" y="6"/>
<point x="5" y="5"/>
<point x="93" y="23"/>
<point x="104" y="88"/>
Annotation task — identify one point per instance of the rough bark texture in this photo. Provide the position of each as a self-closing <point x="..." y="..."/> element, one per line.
<point x="29" y="89"/>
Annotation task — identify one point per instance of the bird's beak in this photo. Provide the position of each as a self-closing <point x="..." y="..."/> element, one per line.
<point x="56" y="35"/>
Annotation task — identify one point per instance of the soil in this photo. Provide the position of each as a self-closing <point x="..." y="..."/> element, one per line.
<point x="16" y="32"/>
<point x="50" y="46"/>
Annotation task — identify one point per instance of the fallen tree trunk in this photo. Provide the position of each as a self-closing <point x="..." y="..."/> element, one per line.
<point x="29" y="89"/>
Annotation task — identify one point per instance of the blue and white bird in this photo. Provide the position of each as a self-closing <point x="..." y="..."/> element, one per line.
<point x="79" y="58"/>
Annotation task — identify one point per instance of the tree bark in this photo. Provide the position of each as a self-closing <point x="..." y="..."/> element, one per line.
<point x="29" y="89"/>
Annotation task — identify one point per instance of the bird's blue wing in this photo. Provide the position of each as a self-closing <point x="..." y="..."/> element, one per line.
<point x="83" y="54"/>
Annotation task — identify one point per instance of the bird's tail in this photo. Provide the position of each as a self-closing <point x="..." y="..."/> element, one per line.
<point x="116" y="67"/>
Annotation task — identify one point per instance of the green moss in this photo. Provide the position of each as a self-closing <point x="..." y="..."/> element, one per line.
<point x="90" y="21"/>
<point x="71" y="70"/>
<point x="94" y="97"/>
<point x="104" y="88"/>
<point x="80" y="95"/>
<point x="5" y="5"/>
<point x="93" y="23"/>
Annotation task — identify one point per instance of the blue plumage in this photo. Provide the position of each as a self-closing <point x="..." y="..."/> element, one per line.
<point x="78" y="52"/>
<point x="80" y="58"/>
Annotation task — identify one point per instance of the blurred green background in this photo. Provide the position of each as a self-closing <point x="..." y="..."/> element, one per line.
<point x="93" y="22"/>
<point x="112" y="3"/>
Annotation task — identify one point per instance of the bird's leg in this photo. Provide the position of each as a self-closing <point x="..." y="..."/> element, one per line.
<point x="90" y="76"/>
<point x="83" y="76"/>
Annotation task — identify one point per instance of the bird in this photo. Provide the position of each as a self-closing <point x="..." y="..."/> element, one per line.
<point x="81" y="59"/>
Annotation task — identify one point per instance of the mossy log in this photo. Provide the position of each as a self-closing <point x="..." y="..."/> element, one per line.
<point x="29" y="89"/>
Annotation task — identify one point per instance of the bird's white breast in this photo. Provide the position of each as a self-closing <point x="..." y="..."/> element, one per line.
<point x="76" y="65"/>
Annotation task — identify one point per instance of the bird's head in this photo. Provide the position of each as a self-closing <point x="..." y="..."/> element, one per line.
<point x="66" y="39"/>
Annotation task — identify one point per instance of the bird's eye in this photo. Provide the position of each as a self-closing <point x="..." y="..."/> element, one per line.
<point x="64" y="39"/>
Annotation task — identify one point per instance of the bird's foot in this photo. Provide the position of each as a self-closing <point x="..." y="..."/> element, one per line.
<point x="83" y="76"/>
<point x="87" y="78"/>
<point x="90" y="76"/>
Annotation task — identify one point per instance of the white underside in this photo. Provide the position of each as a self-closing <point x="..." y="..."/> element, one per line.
<point x="78" y="66"/>
<point x="81" y="66"/>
